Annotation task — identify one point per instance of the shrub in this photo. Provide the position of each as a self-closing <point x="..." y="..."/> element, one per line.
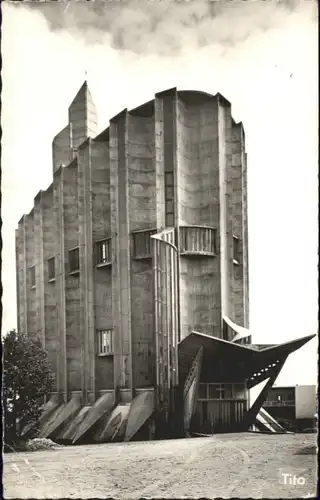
<point x="27" y="379"/>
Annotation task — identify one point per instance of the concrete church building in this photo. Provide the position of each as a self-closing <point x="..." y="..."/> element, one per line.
<point x="132" y="267"/>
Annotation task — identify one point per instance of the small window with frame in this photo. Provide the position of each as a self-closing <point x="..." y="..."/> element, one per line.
<point x="103" y="252"/>
<point x="74" y="264"/>
<point x="105" y="342"/>
<point x="51" y="269"/>
<point x="142" y="247"/>
<point x="32" y="276"/>
<point x="236" y="250"/>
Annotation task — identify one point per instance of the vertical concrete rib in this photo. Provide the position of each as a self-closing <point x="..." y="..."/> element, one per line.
<point x="224" y="236"/>
<point x="86" y="271"/>
<point x="18" y="277"/>
<point x="245" y="241"/>
<point x="121" y="295"/>
<point x="159" y="159"/>
<point x="21" y="254"/>
<point x="90" y="288"/>
<point x="25" y="273"/>
<point x="60" y="285"/>
<point x="169" y="111"/>
<point x="39" y="263"/>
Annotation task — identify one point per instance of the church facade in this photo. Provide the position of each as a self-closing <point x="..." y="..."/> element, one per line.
<point x="132" y="268"/>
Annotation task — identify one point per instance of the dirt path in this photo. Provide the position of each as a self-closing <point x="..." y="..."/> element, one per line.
<point x="233" y="465"/>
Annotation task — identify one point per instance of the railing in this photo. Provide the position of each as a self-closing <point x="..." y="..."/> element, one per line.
<point x="142" y="247"/>
<point x="228" y="391"/>
<point x="197" y="240"/>
<point x="279" y="403"/>
<point x="166" y="319"/>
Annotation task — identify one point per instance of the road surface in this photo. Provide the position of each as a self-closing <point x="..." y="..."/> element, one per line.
<point x="225" y="465"/>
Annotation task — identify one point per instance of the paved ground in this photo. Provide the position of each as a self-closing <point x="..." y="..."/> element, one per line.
<point x="229" y="465"/>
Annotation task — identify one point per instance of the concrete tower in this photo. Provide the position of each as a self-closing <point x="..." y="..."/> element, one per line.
<point x="139" y="243"/>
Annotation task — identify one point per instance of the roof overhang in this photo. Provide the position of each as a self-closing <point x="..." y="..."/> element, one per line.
<point x="225" y="361"/>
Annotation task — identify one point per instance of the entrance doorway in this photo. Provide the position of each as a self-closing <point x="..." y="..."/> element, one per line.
<point x="220" y="408"/>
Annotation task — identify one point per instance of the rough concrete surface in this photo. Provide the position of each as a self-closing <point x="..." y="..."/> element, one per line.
<point x="229" y="465"/>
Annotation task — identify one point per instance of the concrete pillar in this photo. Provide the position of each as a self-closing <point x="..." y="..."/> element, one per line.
<point x="121" y="286"/>
<point x="39" y="265"/>
<point x="87" y="327"/>
<point x="60" y="283"/>
<point x="225" y="230"/>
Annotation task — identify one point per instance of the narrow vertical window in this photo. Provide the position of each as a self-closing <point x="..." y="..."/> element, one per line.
<point x="51" y="269"/>
<point x="105" y="341"/>
<point x="142" y="243"/>
<point x="74" y="260"/>
<point x="32" y="276"/>
<point x="236" y="250"/>
<point x="104" y="255"/>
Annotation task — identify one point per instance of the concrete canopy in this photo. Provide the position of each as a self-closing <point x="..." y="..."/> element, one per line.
<point x="225" y="361"/>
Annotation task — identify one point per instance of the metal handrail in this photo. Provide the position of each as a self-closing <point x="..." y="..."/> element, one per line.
<point x="279" y="403"/>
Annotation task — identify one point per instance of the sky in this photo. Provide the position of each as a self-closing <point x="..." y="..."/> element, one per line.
<point x="261" y="55"/>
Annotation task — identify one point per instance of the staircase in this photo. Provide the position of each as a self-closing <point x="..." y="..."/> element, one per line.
<point x="265" y="422"/>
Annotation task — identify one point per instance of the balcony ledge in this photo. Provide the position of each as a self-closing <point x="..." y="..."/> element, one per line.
<point x="197" y="253"/>
<point x="103" y="264"/>
<point x="74" y="273"/>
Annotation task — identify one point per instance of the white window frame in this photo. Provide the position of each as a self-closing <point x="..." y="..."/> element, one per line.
<point x="105" y="342"/>
<point x="103" y="247"/>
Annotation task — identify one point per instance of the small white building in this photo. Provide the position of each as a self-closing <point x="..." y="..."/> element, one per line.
<point x="292" y="402"/>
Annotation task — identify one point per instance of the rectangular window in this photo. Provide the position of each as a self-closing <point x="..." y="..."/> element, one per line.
<point x="236" y="250"/>
<point x="169" y="193"/>
<point x="214" y="391"/>
<point x="105" y="341"/>
<point x="168" y="179"/>
<point x="32" y="276"/>
<point x="74" y="260"/>
<point x="51" y="269"/>
<point x="104" y="252"/>
<point x="169" y="220"/>
<point x="169" y="207"/>
<point x="142" y="243"/>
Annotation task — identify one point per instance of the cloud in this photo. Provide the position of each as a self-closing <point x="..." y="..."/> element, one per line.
<point x="168" y="27"/>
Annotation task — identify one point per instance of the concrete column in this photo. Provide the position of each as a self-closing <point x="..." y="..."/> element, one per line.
<point x="159" y="152"/>
<point x="60" y="283"/>
<point x="121" y="287"/>
<point x="21" y="253"/>
<point x="245" y="258"/>
<point x="166" y="115"/>
<point x="86" y="272"/>
<point x="30" y="262"/>
<point x="39" y="264"/>
<point x="18" y="279"/>
<point x="224" y="229"/>
<point x="49" y="287"/>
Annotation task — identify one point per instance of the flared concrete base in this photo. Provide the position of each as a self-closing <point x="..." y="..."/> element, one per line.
<point x="104" y="421"/>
